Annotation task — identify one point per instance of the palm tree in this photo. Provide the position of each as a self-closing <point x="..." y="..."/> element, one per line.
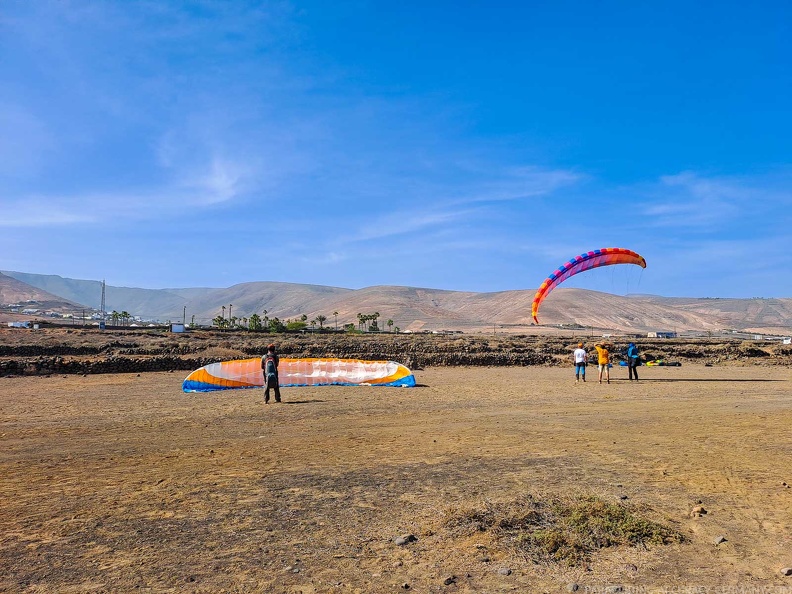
<point x="390" y="324"/>
<point x="335" y="313"/>
<point x="125" y="317"/>
<point x="321" y="319"/>
<point x="114" y="316"/>
<point x="223" y="314"/>
<point x="360" y="321"/>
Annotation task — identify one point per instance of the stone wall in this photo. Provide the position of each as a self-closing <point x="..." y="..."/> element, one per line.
<point x="38" y="353"/>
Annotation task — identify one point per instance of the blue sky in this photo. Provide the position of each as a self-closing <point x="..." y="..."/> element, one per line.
<point x="465" y="146"/>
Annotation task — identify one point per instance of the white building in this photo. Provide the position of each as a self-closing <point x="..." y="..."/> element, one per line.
<point x="661" y="334"/>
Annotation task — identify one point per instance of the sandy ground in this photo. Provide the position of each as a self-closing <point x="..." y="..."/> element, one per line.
<point x="122" y="483"/>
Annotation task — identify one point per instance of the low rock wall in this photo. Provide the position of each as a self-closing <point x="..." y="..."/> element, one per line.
<point x="73" y="352"/>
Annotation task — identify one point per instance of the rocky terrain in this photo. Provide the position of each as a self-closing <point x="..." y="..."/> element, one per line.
<point x="65" y="350"/>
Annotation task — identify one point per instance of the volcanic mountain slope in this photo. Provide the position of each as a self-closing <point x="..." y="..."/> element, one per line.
<point x="414" y="308"/>
<point x="282" y="300"/>
<point x="13" y="291"/>
<point x="149" y="303"/>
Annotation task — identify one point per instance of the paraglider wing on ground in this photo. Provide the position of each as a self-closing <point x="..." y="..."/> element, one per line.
<point x="246" y="373"/>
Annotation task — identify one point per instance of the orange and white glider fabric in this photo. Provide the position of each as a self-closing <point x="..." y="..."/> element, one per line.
<point x="583" y="262"/>
<point x="246" y="373"/>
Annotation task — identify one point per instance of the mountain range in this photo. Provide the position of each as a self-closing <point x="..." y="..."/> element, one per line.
<point x="14" y="291"/>
<point x="410" y="308"/>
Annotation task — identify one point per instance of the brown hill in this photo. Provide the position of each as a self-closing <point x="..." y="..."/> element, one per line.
<point x="282" y="300"/>
<point x="13" y="291"/>
<point x="413" y="308"/>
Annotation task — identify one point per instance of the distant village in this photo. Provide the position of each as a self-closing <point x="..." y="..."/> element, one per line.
<point x="96" y="318"/>
<point x="82" y="316"/>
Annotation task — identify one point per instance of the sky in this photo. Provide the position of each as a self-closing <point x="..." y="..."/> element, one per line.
<point x="470" y="146"/>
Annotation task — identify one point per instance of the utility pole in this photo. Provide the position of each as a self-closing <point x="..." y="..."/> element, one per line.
<point x="102" y="324"/>
<point x="184" y="316"/>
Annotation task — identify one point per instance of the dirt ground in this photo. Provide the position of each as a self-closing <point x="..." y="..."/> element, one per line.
<point x="122" y="483"/>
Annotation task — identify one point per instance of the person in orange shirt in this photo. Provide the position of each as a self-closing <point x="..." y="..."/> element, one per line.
<point x="603" y="360"/>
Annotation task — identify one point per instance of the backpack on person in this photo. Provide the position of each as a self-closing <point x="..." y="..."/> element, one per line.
<point x="270" y="370"/>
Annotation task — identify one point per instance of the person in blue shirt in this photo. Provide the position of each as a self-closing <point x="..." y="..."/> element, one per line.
<point x="633" y="361"/>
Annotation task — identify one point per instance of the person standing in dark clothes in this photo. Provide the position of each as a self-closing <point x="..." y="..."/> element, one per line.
<point x="269" y="367"/>
<point x="633" y="361"/>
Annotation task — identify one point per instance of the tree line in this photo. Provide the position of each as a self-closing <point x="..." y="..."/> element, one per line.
<point x="264" y="323"/>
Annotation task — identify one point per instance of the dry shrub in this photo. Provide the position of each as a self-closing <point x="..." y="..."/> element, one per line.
<point x="222" y="353"/>
<point x="560" y="529"/>
<point x="751" y="349"/>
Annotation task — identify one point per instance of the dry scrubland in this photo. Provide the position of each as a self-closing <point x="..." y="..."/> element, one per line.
<point x="509" y="478"/>
<point x="74" y="350"/>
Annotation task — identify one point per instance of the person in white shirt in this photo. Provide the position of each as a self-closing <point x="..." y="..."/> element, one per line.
<point x="581" y="358"/>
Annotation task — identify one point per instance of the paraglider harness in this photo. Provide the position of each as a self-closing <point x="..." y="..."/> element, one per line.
<point x="270" y="367"/>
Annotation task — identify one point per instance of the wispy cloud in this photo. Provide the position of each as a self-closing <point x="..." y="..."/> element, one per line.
<point x="408" y="222"/>
<point x="36" y="212"/>
<point x="113" y="209"/>
<point x="142" y="77"/>
<point x="521" y="183"/>
<point x="439" y="205"/>
<point x="223" y="181"/>
<point x="690" y="199"/>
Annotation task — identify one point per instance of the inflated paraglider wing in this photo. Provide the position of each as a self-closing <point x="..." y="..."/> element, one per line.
<point x="246" y="373"/>
<point x="583" y="262"/>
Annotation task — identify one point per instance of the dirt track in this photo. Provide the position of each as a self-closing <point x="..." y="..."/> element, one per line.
<point x="120" y="483"/>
